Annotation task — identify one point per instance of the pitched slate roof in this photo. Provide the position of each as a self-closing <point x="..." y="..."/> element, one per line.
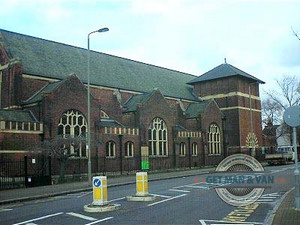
<point x="132" y="103"/>
<point x="109" y="123"/>
<point x="221" y="71"/>
<point x="194" y="109"/>
<point x="178" y="127"/>
<point x="16" y="115"/>
<point x="55" y="60"/>
<point x="45" y="90"/>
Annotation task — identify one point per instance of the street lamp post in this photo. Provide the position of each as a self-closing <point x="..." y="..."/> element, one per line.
<point x="291" y="117"/>
<point x="89" y="105"/>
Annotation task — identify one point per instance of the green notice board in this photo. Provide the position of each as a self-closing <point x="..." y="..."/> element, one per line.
<point x="145" y="158"/>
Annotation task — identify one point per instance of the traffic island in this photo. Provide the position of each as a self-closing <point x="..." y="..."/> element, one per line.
<point x="136" y="198"/>
<point x="100" y="203"/>
<point x="100" y="208"/>
<point x="142" y="194"/>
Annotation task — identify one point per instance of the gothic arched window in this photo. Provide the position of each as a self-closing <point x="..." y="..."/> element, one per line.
<point x="214" y="140"/>
<point x="158" y="138"/>
<point x="72" y="124"/>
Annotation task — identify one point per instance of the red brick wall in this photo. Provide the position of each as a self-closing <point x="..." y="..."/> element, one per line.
<point x="212" y="115"/>
<point x="11" y="89"/>
<point x="20" y="141"/>
<point x="31" y="86"/>
<point x="72" y="94"/>
<point x="237" y="120"/>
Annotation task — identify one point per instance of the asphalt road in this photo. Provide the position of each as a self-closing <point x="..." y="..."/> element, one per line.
<point x="179" y="201"/>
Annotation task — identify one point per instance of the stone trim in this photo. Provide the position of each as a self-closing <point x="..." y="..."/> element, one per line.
<point x="189" y="134"/>
<point x="21" y="127"/>
<point x="240" y="107"/>
<point x="121" y="131"/>
<point x="230" y="94"/>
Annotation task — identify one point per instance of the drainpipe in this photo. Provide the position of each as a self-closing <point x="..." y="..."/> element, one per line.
<point x="203" y="149"/>
<point x="121" y="151"/>
<point x="224" y="136"/>
<point x="190" y="155"/>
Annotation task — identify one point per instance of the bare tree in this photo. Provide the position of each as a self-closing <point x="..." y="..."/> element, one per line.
<point x="295" y="34"/>
<point x="60" y="147"/>
<point x="271" y="111"/>
<point x="288" y="92"/>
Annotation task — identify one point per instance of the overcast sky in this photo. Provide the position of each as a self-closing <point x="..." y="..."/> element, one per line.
<point x="191" y="36"/>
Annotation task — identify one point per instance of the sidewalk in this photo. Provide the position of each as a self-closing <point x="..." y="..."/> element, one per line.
<point x="27" y="194"/>
<point x="286" y="213"/>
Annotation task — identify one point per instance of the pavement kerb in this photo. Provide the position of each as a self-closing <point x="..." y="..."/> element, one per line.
<point x="269" y="219"/>
<point x="36" y="197"/>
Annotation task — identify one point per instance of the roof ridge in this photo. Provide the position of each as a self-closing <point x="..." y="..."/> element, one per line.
<point x="148" y="64"/>
<point x="232" y="68"/>
<point x="43" y="39"/>
<point x="35" y="94"/>
<point x="236" y="70"/>
<point x="243" y="72"/>
<point x="41" y="90"/>
<point x="221" y="71"/>
<point x="98" y="52"/>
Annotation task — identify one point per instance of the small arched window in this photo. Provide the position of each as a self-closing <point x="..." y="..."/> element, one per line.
<point x="194" y="149"/>
<point x="129" y="148"/>
<point x="110" y="149"/>
<point x="182" y="149"/>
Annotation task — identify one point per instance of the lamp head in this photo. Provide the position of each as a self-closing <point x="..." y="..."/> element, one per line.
<point x="105" y="29"/>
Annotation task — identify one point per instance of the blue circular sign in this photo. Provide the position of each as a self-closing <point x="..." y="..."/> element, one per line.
<point x="291" y="116"/>
<point x="97" y="182"/>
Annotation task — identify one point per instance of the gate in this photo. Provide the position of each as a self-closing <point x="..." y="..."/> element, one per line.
<point x="37" y="170"/>
<point x="11" y="174"/>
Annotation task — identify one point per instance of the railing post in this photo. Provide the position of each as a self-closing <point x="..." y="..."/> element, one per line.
<point x="50" y="169"/>
<point x="190" y="155"/>
<point x="26" y="170"/>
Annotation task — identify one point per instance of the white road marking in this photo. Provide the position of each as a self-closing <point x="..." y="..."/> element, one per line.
<point x="84" y="194"/>
<point x="221" y="222"/>
<point x="185" y="185"/>
<point x="275" y="194"/>
<point x="5" y="210"/>
<point x="186" y="191"/>
<point x="168" y="199"/>
<point x="264" y="200"/>
<point x="117" y="199"/>
<point x="163" y="196"/>
<point x="39" y="218"/>
<point x="81" y="216"/>
<point x="199" y="187"/>
<point x="268" y="197"/>
<point x="99" y="221"/>
<point x="178" y="187"/>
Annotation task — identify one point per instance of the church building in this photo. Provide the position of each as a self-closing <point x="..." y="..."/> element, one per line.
<point x="137" y="110"/>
